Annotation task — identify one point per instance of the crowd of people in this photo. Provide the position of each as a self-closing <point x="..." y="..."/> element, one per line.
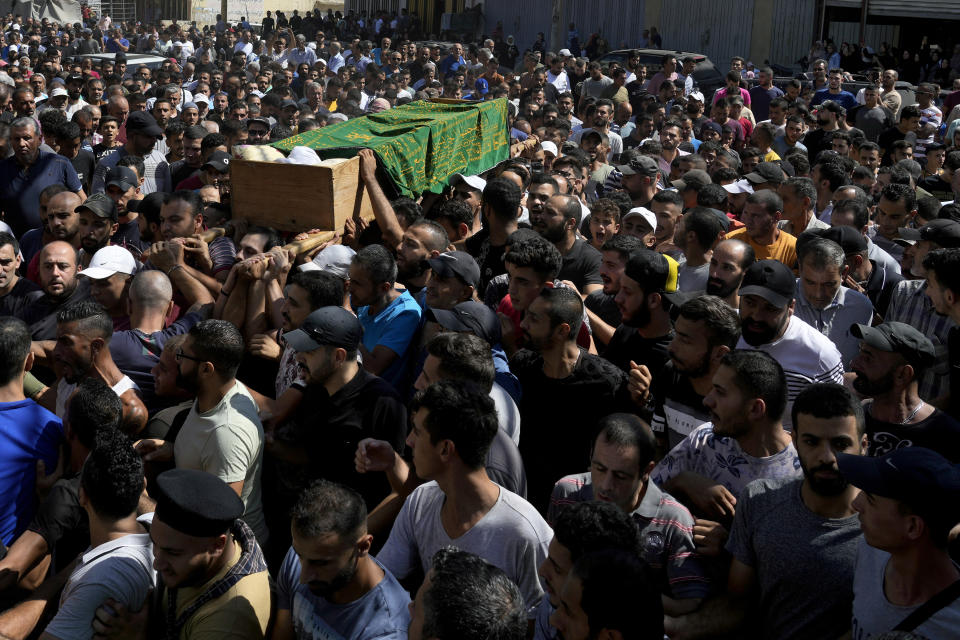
<point x="683" y="365"/>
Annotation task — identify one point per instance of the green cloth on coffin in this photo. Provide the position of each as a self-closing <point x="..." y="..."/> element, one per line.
<point x="420" y="144"/>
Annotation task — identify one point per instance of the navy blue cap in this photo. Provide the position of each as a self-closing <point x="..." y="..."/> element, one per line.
<point x="333" y="326"/>
<point x="472" y="316"/>
<point x="916" y="476"/>
<point x="456" y="263"/>
<point x="196" y="503"/>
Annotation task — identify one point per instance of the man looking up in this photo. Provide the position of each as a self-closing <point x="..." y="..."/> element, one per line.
<point x="454" y="423"/>
<point x="809" y="519"/>
<point x="329" y="580"/>
<point x="760" y="216"/>
<point x="767" y="306"/>
<point x="621" y="462"/>
<point x="558" y="223"/>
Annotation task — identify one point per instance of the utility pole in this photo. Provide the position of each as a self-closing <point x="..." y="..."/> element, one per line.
<point x="557" y="30"/>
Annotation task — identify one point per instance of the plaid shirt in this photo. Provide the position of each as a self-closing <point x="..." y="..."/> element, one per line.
<point x="910" y="305"/>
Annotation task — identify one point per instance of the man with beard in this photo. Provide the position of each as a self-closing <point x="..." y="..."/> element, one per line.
<point x="555" y="440"/>
<point x="75" y="100"/>
<point x="58" y="268"/>
<point x="501" y="208"/>
<point x="329" y="583"/>
<point x="639" y="345"/>
<point x="794" y="540"/>
<point x="893" y="357"/>
<point x="602" y="117"/>
<point x="390" y="317"/>
<point x="601" y="306"/>
<point x="557" y="222"/>
<point x="760" y="216"/>
<point x="98" y="223"/>
<point x="222" y="434"/>
<point x="744" y="441"/>
<point x="422" y="240"/>
<point x="706" y="329"/>
<point x="728" y="264"/>
<point x="639" y="179"/>
<point x="766" y="317"/>
<point x="82" y="350"/>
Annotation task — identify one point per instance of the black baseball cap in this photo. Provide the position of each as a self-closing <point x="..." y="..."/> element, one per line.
<point x="333" y="326"/>
<point x="219" y="160"/>
<point x="693" y="179"/>
<point x="101" y="205"/>
<point x="122" y="177"/>
<point x="640" y="165"/>
<point x="456" y="263"/>
<point x="941" y="231"/>
<point x="196" y="503"/>
<point x="898" y="337"/>
<point x="143" y="122"/>
<point x="766" y="172"/>
<point x="849" y="238"/>
<point x="289" y="103"/>
<point x="771" y="280"/>
<point x="919" y="477"/>
<point x="472" y="316"/>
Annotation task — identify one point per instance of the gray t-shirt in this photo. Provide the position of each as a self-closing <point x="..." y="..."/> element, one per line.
<point x="874" y="615"/>
<point x="121" y="569"/>
<point x="804" y="562"/>
<point x="693" y="278"/>
<point x="512" y="536"/>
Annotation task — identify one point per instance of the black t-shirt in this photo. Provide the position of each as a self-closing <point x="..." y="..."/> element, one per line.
<point x="559" y="417"/>
<point x="62" y="522"/>
<point x="488" y="256"/>
<point x="678" y="408"/>
<point x="581" y="265"/>
<point x="41" y="315"/>
<point x="84" y="164"/>
<point x="99" y="151"/>
<point x="330" y="427"/>
<point x="886" y="140"/>
<point x="180" y="171"/>
<point x="627" y="344"/>
<point x="953" y="344"/>
<point x="939" y="432"/>
<point x="128" y="236"/>
<point x="937" y="187"/>
<point x="23" y="294"/>
<point x="604" y="306"/>
<point x="815" y="142"/>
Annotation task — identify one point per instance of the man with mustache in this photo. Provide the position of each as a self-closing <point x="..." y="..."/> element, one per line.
<point x="728" y="264"/>
<point x="810" y="520"/>
<point x="329" y="581"/>
<point x="766" y="317"/>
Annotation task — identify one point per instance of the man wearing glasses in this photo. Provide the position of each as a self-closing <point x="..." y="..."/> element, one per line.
<point x="222" y="434"/>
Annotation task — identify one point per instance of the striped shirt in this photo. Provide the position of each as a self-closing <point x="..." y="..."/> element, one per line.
<point x="666" y="534"/>
<point x="910" y="305"/>
<point x="806" y="355"/>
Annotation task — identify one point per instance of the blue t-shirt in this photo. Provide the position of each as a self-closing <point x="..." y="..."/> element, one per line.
<point x="20" y="190"/>
<point x="393" y="328"/>
<point x="845" y="99"/>
<point x="381" y="613"/>
<point x="28" y="433"/>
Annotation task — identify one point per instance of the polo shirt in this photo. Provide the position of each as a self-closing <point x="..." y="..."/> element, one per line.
<point x="394" y="328"/>
<point x="847" y="308"/>
<point x="20" y="189"/>
<point x="666" y="534"/>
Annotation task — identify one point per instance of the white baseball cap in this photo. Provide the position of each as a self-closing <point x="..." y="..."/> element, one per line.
<point x="740" y="186"/>
<point x="108" y="261"/>
<point x="201" y="97"/>
<point x="475" y="182"/>
<point x="334" y="259"/>
<point x="695" y="95"/>
<point x="549" y="147"/>
<point x="648" y="215"/>
<point x="565" y="53"/>
<point x="58" y="91"/>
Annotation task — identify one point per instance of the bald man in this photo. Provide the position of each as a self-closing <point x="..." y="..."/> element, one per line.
<point x="150" y="302"/>
<point x="58" y="267"/>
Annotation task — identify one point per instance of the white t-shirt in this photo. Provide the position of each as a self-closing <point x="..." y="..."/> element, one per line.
<point x="512" y="536"/>
<point x="806" y="355"/>
<point x="121" y="569"/>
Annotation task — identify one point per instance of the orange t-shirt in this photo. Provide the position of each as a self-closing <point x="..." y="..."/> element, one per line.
<point x="784" y="249"/>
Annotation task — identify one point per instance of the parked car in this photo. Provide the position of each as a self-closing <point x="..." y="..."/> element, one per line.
<point x="706" y="77"/>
